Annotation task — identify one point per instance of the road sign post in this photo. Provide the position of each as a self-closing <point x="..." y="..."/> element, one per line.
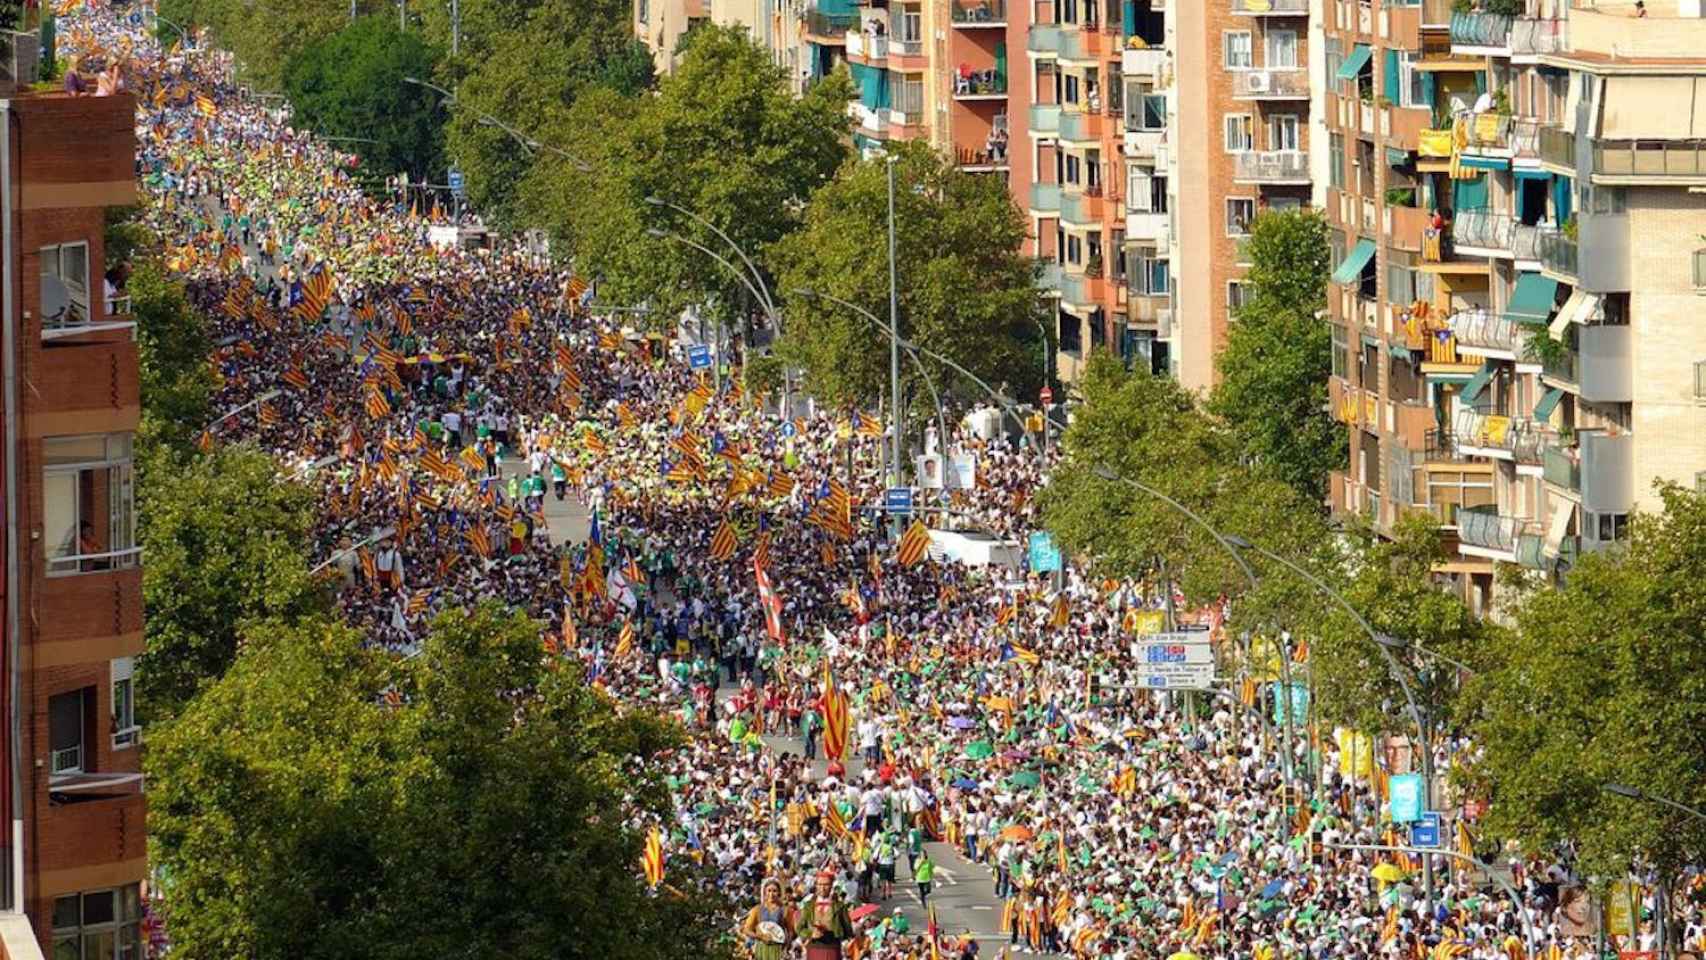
<point x="699" y="357"/>
<point x="898" y="501"/>
<point x="1182" y="660"/>
<point x="1047" y="397"/>
<point x="1425" y="832"/>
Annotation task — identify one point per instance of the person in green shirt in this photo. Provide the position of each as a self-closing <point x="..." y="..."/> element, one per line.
<point x="923" y="873"/>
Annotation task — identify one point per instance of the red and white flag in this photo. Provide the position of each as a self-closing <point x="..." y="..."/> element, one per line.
<point x="771" y="603"/>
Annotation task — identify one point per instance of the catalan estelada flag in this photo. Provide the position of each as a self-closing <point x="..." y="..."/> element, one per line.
<point x="835" y="717"/>
<point x="914" y="544"/>
<point x="651" y="859"/>
<point x="723" y="542"/>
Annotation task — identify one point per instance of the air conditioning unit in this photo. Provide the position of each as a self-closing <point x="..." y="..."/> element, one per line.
<point x="1255" y="83"/>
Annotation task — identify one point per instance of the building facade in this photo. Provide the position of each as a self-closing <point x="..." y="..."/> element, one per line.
<point x="1519" y="206"/>
<point x="73" y="591"/>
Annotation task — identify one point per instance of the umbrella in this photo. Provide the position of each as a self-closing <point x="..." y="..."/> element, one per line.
<point x="1273" y="889"/>
<point x="962" y="723"/>
<point x="1025" y="778"/>
<point x="980" y="750"/>
<point x="965" y="783"/>
<point x="1388" y="873"/>
<point x="1015" y="755"/>
<point x="860" y="913"/>
<point x="1017" y="831"/>
<point x="1184" y="955"/>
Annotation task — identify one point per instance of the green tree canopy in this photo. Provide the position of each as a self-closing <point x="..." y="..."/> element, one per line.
<point x="724" y="137"/>
<point x="324" y="799"/>
<point x="527" y="70"/>
<point x="1149" y="429"/>
<point x="350" y="84"/>
<point x="1273" y="370"/>
<point x="1604" y="681"/>
<point x="264" y="37"/>
<point x="228" y="542"/>
<point x="173" y="345"/>
<point x="965" y="291"/>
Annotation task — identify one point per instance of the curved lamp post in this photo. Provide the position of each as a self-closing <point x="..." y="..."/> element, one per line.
<point x="491" y="121"/>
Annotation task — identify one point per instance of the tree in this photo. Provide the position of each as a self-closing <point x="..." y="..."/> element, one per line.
<point x="724" y="137"/>
<point x="1150" y="430"/>
<point x="324" y="799"/>
<point x="173" y="346"/>
<point x="350" y="84"/>
<point x="1604" y="681"/>
<point x="228" y="542"/>
<point x="965" y="290"/>
<point x="264" y="37"/>
<point x="1272" y="390"/>
<point x="538" y="61"/>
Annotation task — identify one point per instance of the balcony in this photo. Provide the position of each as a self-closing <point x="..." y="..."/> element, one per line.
<point x="1270" y="85"/>
<point x="1482" y="233"/>
<point x="1045" y="120"/>
<point x="1145" y="226"/>
<point x="1558" y="254"/>
<point x="1084" y="44"/>
<point x="1481" y="333"/>
<point x="982" y="13"/>
<point x="1500" y="437"/>
<point x="869" y="48"/>
<point x="1561" y="468"/>
<point x="1081" y="208"/>
<point x="829" y="26"/>
<point x="1480" y="30"/>
<point x="1044" y="39"/>
<point x="1080" y="126"/>
<point x="1271" y="166"/>
<point x="1483" y="529"/>
<point x="1605" y="363"/>
<point x="980" y="85"/>
<point x="1558" y="147"/>
<point x="1045" y="199"/>
<point x="1080" y="290"/>
<point x="1271" y="8"/>
<point x="1436" y="13"/>
<point x="1050" y="278"/>
<point x="1532" y="37"/>
<point x="907" y="50"/>
<point x="1645" y="160"/>
<point x="1484" y="132"/>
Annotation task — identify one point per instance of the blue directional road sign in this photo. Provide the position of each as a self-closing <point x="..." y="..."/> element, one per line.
<point x="788" y="428"/>
<point x="456" y="182"/>
<point x="1044" y="555"/>
<point x="699" y="357"/>
<point x="898" y="501"/>
<point x="1425" y="832"/>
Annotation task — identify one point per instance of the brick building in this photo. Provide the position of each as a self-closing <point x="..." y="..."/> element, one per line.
<point x="75" y="853"/>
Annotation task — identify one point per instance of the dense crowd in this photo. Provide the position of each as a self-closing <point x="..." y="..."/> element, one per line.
<point x="437" y="399"/>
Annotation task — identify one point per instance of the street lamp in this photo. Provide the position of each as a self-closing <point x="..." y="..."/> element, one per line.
<point x="1636" y="793"/>
<point x="491" y="121"/>
<point x="1510" y="890"/>
<point x="1425" y="743"/>
<point x="766" y="300"/>
<point x="1400" y="644"/>
<point x="263" y="398"/>
<point x="941" y="417"/>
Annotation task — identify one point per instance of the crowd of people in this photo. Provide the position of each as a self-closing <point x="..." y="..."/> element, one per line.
<point x="437" y="400"/>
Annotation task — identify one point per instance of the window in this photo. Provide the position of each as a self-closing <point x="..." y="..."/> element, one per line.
<point x="1700" y="379"/>
<point x="1609" y="200"/>
<point x="1341" y="352"/>
<point x="1074" y="249"/>
<point x="1158" y="194"/>
<point x="99" y="925"/>
<point x="1400" y="284"/>
<point x="1336" y="159"/>
<point x="1412" y="82"/>
<point x="1239" y="212"/>
<point x="1237" y="292"/>
<point x="1137" y="188"/>
<point x="1282" y="132"/>
<point x="64" y="285"/>
<point x="1609" y="527"/>
<point x="65" y="722"/>
<point x="1238" y="50"/>
<point x="1239" y="135"/>
<point x="1069" y="88"/>
<point x="1450" y="491"/>
<point x="1154" y="277"/>
<point x="88" y="503"/>
<point x="125" y="730"/>
<point x="1281" y="50"/>
<point x="1119" y="260"/>
<point x="911" y="25"/>
<point x="641" y="10"/>
<point x="1152" y="114"/>
<point x="1071" y="335"/>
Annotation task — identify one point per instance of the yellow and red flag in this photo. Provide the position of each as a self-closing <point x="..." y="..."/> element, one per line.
<point x="914" y="544"/>
<point x="651" y="859"/>
<point x="723" y="542"/>
<point x="835" y="717"/>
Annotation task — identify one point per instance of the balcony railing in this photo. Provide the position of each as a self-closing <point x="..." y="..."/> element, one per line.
<point x="1501" y="232"/>
<point x="1078" y="125"/>
<point x="1044" y="38"/>
<point x="1557" y="146"/>
<point x="1483" y="527"/>
<point x="1649" y="158"/>
<point x="1257" y="84"/>
<point x="1285" y="8"/>
<point x="1270" y="166"/>
<point x="1081" y="206"/>
<point x="75" y="321"/>
<point x="1525" y="139"/>
<point x="908" y="48"/>
<point x="1560" y="365"/>
<point x="1050" y="277"/>
<point x="1557" y="253"/>
<point x="980" y="13"/>
<point x="1561" y="468"/>
<point x="1480" y="29"/>
<point x="1045" y="197"/>
<point x="1485" y="131"/>
<point x="1531" y="37"/>
<point x="1045" y="119"/>
<point x="980" y="83"/>
<point x="1482" y="329"/>
<point x="1436" y="13"/>
<point x="1518" y="436"/>
<point x="820" y="24"/>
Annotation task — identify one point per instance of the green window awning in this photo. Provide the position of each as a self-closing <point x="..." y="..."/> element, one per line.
<point x="1533" y="299"/>
<point x="1370" y="340"/>
<point x="1484" y="163"/>
<point x="1396" y="157"/>
<point x="1358" y="258"/>
<point x="1359" y="57"/>
<point x="1478" y="382"/>
<point x="1548" y="403"/>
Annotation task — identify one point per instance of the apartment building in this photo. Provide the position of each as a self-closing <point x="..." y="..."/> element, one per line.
<point x="1071" y="170"/>
<point x="75" y="847"/>
<point x="1240" y="146"/>
<point x="1521" y="201"/>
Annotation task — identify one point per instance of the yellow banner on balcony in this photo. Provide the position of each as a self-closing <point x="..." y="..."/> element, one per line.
<point x="1349" y="408"/>
<point x="1434" y="143"/>
<point x="1370" y="409"/>
<point x="1494" y="430"/>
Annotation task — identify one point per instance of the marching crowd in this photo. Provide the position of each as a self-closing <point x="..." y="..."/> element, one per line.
<point x="436" y="400"/>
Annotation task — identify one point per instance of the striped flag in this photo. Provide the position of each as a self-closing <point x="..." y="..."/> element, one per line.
<point x="268" y="416"/>
<point x="723" y="542"/>
<point x="594" y="443"/>
<point x="369" y="566"/>
<point x="769" y="601"/>
<point x="835" y="717"/>
<point x="479" y="540"/>
<point x="651" y="860"/>
<point x="626" y="415"/>
<point x="377" y="405"/>
<point x="781" y="485"/>
<point x="625" y="639"/>
<point x="866" y="425"/>
<point x="205" y="106"/>
<point x="472" y="460"/>
<point x="914" y="544"/>
<point x="761" y="549"/>
<point x="826" y="553"/>
<point x="571" y="637"/>
<point x="295" y="378"/>
<point x="419" y="601"/>
<point x="1061" y="613"/>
